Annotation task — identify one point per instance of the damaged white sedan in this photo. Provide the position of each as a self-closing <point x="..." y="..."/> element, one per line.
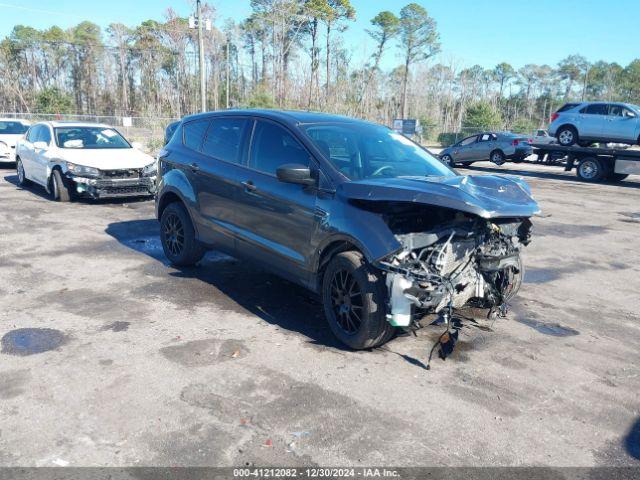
<point x="72" y="160"/>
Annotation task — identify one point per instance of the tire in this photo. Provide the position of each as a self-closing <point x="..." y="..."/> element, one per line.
<point x="22" y="176"/>
<point x="567" y="136"/>
<point x="58" y="187"/>
<point x="590" y="169"/>
<point x="497" y="157"/>
<point x="448" y="160"/>
<point x="178" y="236"/>
<point x="358" y="319"/>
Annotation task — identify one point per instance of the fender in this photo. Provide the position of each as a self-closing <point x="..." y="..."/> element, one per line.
<point x="175" y="182"/>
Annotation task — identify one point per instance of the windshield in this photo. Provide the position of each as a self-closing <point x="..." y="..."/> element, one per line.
<point x="371" y="151"/>
<point x="12" y="128"/>
<point x="89" y="137"/>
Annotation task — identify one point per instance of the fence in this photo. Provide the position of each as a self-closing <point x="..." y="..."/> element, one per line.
<point x="146" y="130"/>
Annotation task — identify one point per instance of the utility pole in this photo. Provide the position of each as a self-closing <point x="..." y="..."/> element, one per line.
<point x="228" y="73"/>
<point x="203" y="92"/>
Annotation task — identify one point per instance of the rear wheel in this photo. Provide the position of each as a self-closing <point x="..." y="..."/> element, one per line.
<point x="178" y="236"/>
<point x="497" y="157"/>
<point x="58" y="188"/>
<point x="567" y="136"/>
<point x="354" y="299"/>
<point x="590" y="169"/>
<point x="22" y="177"/>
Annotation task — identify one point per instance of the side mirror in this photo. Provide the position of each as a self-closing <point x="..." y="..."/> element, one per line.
<point x="295" y="173"/>
<point x="41" y="145"/>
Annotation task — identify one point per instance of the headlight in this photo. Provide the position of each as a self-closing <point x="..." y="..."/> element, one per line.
<point x="82" y="171"/>
<point x="150" y="170"/>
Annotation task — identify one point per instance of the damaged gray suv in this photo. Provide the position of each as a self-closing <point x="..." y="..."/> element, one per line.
<point x="372" y="222"/>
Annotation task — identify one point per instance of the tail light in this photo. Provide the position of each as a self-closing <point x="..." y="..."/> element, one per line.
<point x="515" y="143"/>
<point x="530" y="140"/>
<point x="554" y="117"/>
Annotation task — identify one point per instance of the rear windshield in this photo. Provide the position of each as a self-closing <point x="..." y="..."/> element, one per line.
<point x="12" y="128"/>
<point x="567" y="106"/>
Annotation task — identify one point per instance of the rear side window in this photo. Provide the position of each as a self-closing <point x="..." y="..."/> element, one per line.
<point x="274" y="146"/>
<point x="567" y="106"/>
<point x="193" y="134"/>
<point x="595" y="109"/>
<point x="223" y="138"/>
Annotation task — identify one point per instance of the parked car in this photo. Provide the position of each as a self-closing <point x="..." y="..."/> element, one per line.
<point x="497" y="147"/>
<point x="365" y="217"/>
<point x="11" y="130"/>
<point x="83" y="160"/>
<point x="542" y="137"/>
<point x="596" y="122"/>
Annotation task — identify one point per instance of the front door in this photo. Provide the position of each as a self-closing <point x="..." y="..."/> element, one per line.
<point x="621" y="124"/>
<point x="463" y="150"/>
<point x="277" y="220"/>
<point x="40" y="159"/>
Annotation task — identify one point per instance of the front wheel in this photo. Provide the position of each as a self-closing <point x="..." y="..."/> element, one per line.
<point x="354" y="299"/>
<point x="178" y="236"/>
<point x="448" y="160"/>
<point x="58" y="188"/>
<point x="22" y="176"/>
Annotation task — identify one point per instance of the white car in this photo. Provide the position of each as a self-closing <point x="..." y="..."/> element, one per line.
<point x="542" y="137"/>
<point x="83" y="160"/>
<point x="11" y="130"/>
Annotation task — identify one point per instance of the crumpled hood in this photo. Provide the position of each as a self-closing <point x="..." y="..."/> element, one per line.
<point x="106" y="159"/>
<point x="10" y="140"/>
<point x="488" y="196"/>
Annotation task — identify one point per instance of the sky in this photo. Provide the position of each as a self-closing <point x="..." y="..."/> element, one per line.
<point x="484" y="32"/>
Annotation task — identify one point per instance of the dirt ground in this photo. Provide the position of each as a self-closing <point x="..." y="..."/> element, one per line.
<point x="112" y="357"/>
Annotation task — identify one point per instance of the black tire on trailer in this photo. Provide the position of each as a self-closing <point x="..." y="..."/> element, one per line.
<point x="22" y="176"/>
<point x="354" y="300"/>
<point x="567" y="136"/>
<point x="591" y="169"/>
<point x="178" y="236"/>
<point x="58" y="187"/>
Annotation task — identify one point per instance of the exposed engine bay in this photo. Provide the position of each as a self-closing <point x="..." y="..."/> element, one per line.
<point x="450" y="259"/>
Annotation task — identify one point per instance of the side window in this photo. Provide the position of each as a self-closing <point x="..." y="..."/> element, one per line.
<point x="595" y="109"/>
<point x="193" y="134"/>
<point x="45" y="135"/>
<point x="274" y="146"/>
<point x="468" y="141"/>
<point x="36" y="134"/>
<point x="223" y="138"/>
<point x="29" y="136"/>
<point x="486" y="137"/>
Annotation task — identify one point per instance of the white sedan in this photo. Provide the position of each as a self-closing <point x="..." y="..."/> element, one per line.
<point x="83" y="160"/>
<point x="11" y="130"/>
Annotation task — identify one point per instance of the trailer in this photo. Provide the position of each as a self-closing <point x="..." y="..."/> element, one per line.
<point x="592" y="164"/>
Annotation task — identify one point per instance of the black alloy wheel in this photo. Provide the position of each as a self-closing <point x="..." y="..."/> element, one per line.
<point x="346" y="296"/>
<point x="173" y="232"/>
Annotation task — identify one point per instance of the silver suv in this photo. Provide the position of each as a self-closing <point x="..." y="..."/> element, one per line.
<point x="589" y="122"/>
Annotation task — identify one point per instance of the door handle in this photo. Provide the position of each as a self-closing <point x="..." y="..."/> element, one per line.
<point x="249" y="186"/>
<point x="194" y="167"/>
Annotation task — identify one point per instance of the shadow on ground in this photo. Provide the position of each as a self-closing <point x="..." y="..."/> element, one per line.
<point x="632" y="441"/>
<point x="42" y="193"/>
<point x="566" y="177"/>
<point x="237" y="285"/>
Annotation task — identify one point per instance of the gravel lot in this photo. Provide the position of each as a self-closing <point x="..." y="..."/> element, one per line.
<point x="138" y="363"/>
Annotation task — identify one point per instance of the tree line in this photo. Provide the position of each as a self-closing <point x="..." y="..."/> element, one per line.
<point x="291" y="54"/>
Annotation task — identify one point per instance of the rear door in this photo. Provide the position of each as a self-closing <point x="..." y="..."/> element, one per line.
<point x="277" y="220"/>
<point x="621" y="123"/>
<point x="592" y="120"/>
<point x="483" y="147"/>
<point x="216" y="172"/>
